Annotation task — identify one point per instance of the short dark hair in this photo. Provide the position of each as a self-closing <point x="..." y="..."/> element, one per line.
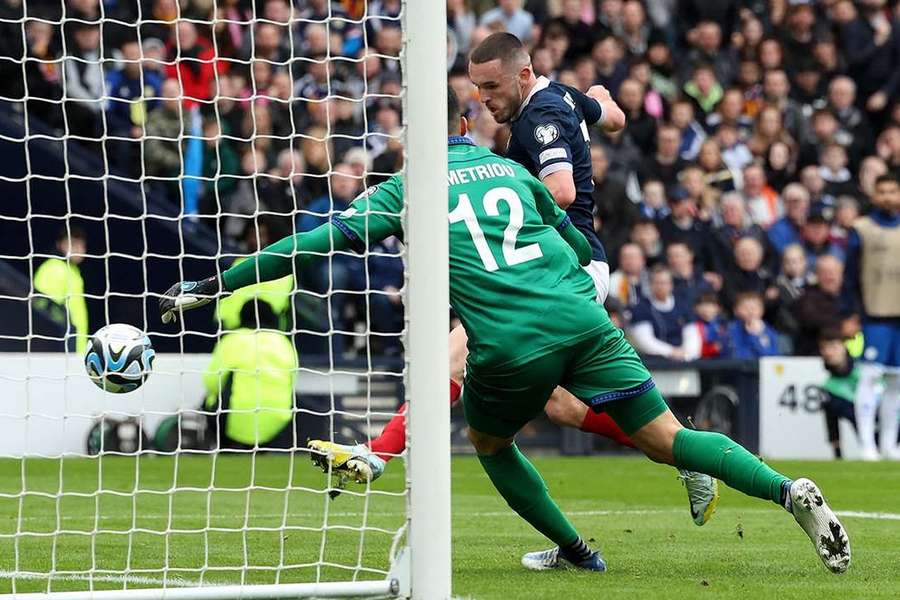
<point x="887" y="177"/>
<point x="706" y="298"/>
<point x="258" y="314"/>
<point x="72" y="232"/>
<point x="501" y="45"/>
<point x="453" y="110"/>
<point x="745" y="296"/>
<point x="831" y="334"/>
<point x="660" y="269"/>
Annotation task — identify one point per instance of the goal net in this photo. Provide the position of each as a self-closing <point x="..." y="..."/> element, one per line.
<point x="149" y="142"/>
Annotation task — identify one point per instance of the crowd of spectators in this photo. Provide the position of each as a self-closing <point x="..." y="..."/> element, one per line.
<point x="755" y="132"/>
<point x="756" y="129"/>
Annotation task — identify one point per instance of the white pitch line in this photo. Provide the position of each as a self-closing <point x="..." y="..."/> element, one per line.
<point x="173" y="581"/>
<point x="879" y="516"/>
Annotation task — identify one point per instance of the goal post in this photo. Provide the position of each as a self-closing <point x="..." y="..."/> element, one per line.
<point x="82" y="516"/>
<point x="428" y="275"/>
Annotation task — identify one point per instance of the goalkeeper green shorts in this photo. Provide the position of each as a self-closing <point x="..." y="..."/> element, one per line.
<point x="603" y="371"/>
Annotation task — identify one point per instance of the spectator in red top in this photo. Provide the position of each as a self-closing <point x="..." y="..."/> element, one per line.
<point x="195" y="64"/>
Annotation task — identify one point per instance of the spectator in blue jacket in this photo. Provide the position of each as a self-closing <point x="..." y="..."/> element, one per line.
<point x="748" y="335"/>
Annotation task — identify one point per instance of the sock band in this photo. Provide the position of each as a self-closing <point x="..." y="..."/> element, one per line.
<point x="576" y="552"/>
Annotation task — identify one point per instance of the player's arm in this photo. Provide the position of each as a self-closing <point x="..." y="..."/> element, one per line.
<point x="372" y="217"/>
<point x="598" y="107"/>
<point x="545" y="142"/>
<point x="553" y="215"/>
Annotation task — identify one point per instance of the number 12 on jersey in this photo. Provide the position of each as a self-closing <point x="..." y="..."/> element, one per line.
<point x="511" y="255"/>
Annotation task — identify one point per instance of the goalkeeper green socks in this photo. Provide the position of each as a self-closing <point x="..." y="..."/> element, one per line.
<point x="723" y="458"/>
<point x="524" y="490"/>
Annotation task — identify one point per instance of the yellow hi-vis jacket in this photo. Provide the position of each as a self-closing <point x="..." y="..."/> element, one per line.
<point x="62" y="283"/>
<point x="259" y="366"/>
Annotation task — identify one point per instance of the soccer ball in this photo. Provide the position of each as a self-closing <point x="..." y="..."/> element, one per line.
<point x="119" y="358"/>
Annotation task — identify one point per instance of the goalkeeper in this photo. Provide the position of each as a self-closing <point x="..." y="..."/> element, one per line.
<point x="549" y="136"/>
<point x="533" y="324"/>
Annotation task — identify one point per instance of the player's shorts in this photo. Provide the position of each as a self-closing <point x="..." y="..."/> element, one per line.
<point x="599" y="272"/>
<point x="603" y="371"/>
<point x="882" y="342"/>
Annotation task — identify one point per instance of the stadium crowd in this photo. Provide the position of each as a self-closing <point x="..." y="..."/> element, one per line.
<point x="756" y="130"/>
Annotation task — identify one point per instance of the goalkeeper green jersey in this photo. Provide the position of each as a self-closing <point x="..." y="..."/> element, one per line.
<point x="516" y="285"/>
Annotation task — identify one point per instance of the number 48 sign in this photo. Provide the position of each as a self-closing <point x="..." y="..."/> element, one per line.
<point x="808" y="398"/>
<point x="791" y="420"/>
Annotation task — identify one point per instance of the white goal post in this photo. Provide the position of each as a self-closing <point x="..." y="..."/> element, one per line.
<point x="115" y="524"/>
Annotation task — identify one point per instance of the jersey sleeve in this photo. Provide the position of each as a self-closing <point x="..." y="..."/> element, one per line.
<point x="542" y="135"/>
<point x="589" y="107"/>
<point x="375" y="215"/>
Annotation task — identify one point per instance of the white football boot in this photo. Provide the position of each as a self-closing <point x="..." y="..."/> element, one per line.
<point x="703" y="494"/>
<point x="821" y="525"/>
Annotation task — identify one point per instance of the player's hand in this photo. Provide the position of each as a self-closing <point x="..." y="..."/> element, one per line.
<point x="186" y="295"/>
<point x="599" y="93"/>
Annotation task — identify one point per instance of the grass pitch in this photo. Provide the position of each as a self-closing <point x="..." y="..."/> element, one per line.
<point x="196" y="518"/>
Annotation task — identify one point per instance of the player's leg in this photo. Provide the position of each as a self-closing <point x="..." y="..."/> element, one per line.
<point x="865" y="408"/>
<point x="890" y="401"/>
<point x="890" y="414"/>
<point x="639" y="409"/>
<point x="566" y="410"/>
<point x="496" y="407"/>
<point x="366" y="462"/>
<point x="663" y="439"/>
<point x="868" y="390"/>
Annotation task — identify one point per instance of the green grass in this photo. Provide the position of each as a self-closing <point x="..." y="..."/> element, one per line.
<point x="634" y="510"/>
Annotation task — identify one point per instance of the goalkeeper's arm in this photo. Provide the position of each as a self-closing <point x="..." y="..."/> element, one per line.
<point x="553" y="215"/>
<point x="272" y="262"/>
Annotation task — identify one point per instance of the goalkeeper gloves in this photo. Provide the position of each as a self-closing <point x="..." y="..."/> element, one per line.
<point x="186" y="295"/>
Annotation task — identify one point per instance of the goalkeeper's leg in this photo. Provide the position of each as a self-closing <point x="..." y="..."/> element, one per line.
<point x="566" y="410"/>
<point x="657" y="433"/>
<point x="497" y="406"/>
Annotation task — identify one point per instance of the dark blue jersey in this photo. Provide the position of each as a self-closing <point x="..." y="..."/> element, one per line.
<point x="550" y="134"/>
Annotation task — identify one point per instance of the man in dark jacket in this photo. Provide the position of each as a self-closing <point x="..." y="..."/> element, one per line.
<point x="819" y="307"/>
<point x="871" y="44"/>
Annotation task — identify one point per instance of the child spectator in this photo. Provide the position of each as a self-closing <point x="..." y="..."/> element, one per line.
<point x="840" y="387"/>
<point x="707" y="336"/>
<point x="654" y="205"/>
<point x="748" y="335"/>
<point x="834" y="171"/>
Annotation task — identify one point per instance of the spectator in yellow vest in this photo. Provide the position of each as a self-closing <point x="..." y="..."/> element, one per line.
<point x="58" y="285"/>
<point x="250" y="383"/>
